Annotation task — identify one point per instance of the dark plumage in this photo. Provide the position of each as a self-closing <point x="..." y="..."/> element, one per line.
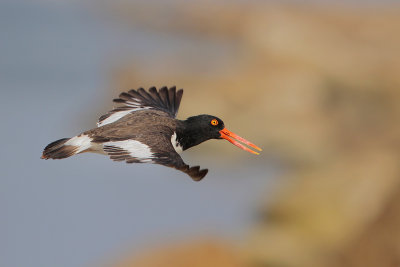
<point x="143" y="128"/>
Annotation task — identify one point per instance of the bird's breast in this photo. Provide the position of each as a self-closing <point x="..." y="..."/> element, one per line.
<point x="177" y="146"/>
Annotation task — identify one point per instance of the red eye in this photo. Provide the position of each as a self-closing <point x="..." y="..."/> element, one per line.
<point x="214" y="122"/>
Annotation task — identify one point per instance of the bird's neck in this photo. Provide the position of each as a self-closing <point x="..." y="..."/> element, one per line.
<point x="189" y="134"/>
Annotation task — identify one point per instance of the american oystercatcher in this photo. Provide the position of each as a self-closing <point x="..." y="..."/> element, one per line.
<point x="144" y="129"/>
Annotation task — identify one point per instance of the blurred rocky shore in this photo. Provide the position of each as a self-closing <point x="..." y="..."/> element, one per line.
<point x="318" y="87"/>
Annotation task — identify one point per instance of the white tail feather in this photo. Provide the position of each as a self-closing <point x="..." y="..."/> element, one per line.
<point x="82" y="142"/>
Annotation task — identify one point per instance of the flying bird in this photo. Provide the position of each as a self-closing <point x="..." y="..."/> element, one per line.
<point x="143" y="129"/>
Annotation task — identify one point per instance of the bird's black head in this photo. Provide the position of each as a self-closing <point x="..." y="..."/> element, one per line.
<point x="206" y="125"/>
<point x="198" y="129"/>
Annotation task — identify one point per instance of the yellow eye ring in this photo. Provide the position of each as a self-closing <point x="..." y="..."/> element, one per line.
<point x="214" y="122"/>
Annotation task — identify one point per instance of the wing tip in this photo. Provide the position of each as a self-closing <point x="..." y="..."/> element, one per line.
<point x="196" y="173"/>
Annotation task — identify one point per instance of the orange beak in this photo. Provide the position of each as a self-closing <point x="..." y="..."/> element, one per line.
<point x="228" y="135"/>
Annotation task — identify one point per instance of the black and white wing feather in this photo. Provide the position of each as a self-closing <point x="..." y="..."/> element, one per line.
<point x="130" y="151"/>
<point x="134" y="151"/>
<point x="165" y="100"/>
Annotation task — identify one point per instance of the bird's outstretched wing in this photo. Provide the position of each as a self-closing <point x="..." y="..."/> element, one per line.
<point x="165" y="100"/>
<point x="134" y="151"/>
<point x="173" y="160"/>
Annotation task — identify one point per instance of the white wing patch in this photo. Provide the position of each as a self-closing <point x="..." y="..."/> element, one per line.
<point x="116" y="115"/>
<point x="178" y="148"/>
<point x="128" y="150"/>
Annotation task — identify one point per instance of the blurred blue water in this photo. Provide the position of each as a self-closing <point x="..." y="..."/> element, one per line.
<point x="76" y="212"/>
